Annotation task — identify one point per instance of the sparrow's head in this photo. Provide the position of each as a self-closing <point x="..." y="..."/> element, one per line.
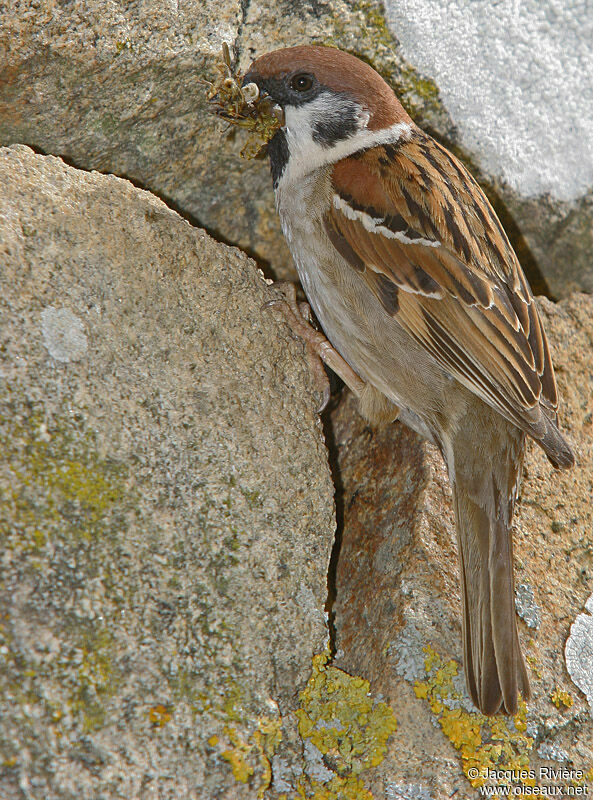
<point x="333" y="104"/>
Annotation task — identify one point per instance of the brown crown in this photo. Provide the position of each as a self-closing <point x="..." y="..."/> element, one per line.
<point x="339" y="71"/>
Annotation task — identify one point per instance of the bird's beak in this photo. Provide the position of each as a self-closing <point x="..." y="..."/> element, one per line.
<point x="260" y="99"/>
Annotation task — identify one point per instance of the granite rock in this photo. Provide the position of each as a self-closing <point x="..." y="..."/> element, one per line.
<point x="166" y="508"/>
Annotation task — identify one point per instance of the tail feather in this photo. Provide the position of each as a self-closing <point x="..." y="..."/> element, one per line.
<point x="505" y="637"/>
<point x="484" y="493"/>
<point x="494" y="666"/>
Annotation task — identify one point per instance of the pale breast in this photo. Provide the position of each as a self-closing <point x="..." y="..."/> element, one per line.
<point x="373" y="343"/>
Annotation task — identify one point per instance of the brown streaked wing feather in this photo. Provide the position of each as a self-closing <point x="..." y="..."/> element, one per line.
<point x="385" y="290"/>
<point x="445" y="334"/>
<point x="379" y="254"/>
<point x="466" y="301"/>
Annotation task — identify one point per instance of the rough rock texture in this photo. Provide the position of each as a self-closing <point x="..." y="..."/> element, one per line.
<point x="397" y="612"/>
<point x="117" y="87"/>
<point x="166" y="509"/>
<point x="170" y="535"/>
<point x="504" y="70"/>
<point x="579" y="651"/>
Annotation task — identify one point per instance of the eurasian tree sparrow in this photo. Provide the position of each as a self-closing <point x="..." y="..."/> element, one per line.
<point x="417" y="287"/>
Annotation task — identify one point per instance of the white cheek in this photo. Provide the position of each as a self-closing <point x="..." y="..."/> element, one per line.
<point x="299" y="136"/>
<point x="307" y="155"/>
<point x="299" y="122"/>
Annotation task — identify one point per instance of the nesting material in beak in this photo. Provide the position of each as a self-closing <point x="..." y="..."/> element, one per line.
<point x="244" y="106"/>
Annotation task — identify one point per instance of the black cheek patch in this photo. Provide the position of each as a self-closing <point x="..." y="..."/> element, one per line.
<point x="337" y="126"/>
<point x="281" y="93"/>
<point x="276" y="88"/>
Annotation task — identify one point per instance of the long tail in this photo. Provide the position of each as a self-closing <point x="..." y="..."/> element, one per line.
<point x="485" y="482"/>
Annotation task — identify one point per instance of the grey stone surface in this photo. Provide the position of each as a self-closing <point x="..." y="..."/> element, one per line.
<point x="517" y="80"/>
<point x="526" y="606"/>
<point x="165" y="501"/>
<point x="550" y="752"/>
<point x="103" y="590"/>
<point x="407" y="791"/>
<point x="579" y="652"/>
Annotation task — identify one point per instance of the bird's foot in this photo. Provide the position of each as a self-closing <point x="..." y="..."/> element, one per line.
<point x="299" y="318"/>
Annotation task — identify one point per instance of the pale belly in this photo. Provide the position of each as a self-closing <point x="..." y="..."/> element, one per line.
<point x="372" y="342"/>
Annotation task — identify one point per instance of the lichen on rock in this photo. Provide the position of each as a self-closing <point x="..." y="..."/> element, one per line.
<point x="579" y="654"/>
<point x="484" y="743"/>
<point x="151" y="572"/>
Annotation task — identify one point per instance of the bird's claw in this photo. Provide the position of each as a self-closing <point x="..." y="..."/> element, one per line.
<point x="319" y="350"/>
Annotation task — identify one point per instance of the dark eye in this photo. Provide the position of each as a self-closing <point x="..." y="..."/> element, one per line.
<point x="301" y="82"/>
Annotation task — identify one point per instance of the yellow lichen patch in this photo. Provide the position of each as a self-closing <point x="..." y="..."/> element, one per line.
<point x="237" y="756"/>
<point x="159" y="715"/>
<point x="560" y="697"/>
<point x="336" y="789"/>
<point x="266" y="738"/>
<point x="97" y="680"/>
<point x="483" y="742"/>
<point x="339" y="716"/>
<point x="59" y="494"/>
<point x="54" y="481"/>
<point x="258" y="751"/>
<point x="534" y="663"/>
<point x="232" y="705"/>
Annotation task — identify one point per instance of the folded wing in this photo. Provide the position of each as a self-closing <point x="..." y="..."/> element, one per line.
<point x="414" y="223"/>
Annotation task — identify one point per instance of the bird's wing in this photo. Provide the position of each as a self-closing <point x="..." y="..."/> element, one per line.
<point x="415" y="224"/>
